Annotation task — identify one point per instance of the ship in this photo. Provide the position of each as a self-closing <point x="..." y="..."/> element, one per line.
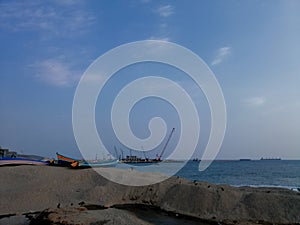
<point x="269" y="158"/>
<point x="245" y="159"/>
<point x="132" y="159"/>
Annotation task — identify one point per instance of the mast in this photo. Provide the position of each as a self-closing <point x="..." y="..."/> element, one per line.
<point x="116" y="151"/>
<point x="144" y="154"/>
<point x="122" y="153"/>
<point x="164" y="148"/>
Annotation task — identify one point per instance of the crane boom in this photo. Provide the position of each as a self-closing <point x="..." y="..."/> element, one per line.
<point x="164" y="148"/>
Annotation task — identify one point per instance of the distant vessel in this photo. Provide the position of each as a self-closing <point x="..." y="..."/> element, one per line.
<point x="277" y="158"/>
<point x="132" y="159"/>
<point x="245" y="159"/>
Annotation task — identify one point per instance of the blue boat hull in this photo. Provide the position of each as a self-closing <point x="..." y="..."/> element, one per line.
<point x="22" y="161"/>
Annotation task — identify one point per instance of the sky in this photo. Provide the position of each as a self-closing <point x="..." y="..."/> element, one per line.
<point x="252" y="47"/>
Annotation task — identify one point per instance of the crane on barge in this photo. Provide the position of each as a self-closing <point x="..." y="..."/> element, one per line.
<point x="165" y="146"/>
<point x="134" y="159"/>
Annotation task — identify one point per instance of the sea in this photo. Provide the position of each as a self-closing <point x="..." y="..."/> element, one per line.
<point x="255" y="173"/>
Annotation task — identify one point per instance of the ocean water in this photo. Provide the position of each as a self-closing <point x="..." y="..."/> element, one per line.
<point x="261" y="173"/>
<point x="270" y="173"/>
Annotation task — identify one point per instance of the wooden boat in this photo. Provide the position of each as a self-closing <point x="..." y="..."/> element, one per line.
<point x="22" y="161"/>
<point x="76" y="163"/>
<point x="64" y="160"/>
<point x="98" y="163"/>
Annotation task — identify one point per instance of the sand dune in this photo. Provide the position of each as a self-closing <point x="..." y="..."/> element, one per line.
<point x="36" y="188"/>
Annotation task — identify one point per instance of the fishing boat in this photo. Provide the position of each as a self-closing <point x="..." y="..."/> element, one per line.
<point x="8" y="161"/>
<point x="65" y="160"/>
<point x="97" y="163"/>
<point x="77" y="163"/>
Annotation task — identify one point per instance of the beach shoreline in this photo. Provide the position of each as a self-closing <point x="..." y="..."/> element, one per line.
<point x="29" y="189"/>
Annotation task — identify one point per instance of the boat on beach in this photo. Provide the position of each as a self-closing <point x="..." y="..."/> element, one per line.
<point x="65" y="160"/>
<point x="22" y="161"/>
<point x="12" y="158"/>
<point x="77" y="163"/>
<point x="98" y="163"/>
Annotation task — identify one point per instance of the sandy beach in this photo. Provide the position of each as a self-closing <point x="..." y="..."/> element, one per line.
<point x="64" y="196"/>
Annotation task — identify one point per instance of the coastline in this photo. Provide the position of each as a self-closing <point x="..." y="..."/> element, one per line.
<point x="254" y="173"/>
<point x="27" y="189"/>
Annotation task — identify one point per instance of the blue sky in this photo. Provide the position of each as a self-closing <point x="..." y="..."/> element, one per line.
<point x="252" y="47"/>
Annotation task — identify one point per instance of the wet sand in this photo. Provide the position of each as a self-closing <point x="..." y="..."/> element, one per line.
<point x="56" y="193"/>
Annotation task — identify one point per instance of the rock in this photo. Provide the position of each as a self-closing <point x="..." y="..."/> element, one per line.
<point x="82" y="216"/>
<point x="15" y="220"/>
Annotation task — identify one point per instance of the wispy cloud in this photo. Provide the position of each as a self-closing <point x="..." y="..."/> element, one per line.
<point x="68" y="2"/>
<point x="254" y="101"/>
<point x="221" y="55"/>
<point x="286" y="108"/>
<point x="163" y="31"/>
<point x="159" y="38"/>
<point x="145" y="1"/>
<point x="165" y="11"/>
<point x="63" y="19"/>
<point x="56" y="72"/>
